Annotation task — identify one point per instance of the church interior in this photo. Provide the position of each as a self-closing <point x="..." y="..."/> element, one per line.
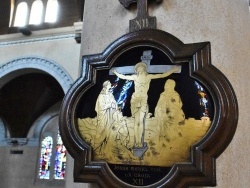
<point x="41" y="46"/>
<point x="42" y="39"/>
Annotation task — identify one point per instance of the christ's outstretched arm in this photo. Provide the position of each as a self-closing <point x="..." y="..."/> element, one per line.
<point x="122" y="76"/>
<point x="163" y="75"/>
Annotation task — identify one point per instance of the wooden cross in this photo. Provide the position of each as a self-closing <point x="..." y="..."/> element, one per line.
<point x="143" y="20"/>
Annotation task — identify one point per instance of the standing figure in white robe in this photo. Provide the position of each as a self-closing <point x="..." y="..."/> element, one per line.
<point x="105" y="108"/>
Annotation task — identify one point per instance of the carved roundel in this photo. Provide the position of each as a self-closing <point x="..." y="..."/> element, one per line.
<point x="150" y="111"/>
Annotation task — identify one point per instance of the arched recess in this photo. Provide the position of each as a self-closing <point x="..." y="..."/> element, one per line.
<point x="27" y="65"/>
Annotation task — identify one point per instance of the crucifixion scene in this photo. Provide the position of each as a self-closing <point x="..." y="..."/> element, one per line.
<point x="160" y="135"/>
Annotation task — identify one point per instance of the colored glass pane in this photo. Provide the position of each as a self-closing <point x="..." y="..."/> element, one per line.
<point x="45" y="157"/>
<point x="60" y="159"/>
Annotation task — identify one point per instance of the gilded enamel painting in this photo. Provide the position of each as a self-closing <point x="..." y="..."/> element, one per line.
<point x="146" y="111"/>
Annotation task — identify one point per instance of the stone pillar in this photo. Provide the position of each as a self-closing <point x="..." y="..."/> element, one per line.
<point x="225" y="23"/>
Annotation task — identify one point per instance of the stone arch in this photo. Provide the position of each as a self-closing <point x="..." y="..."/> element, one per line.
<point x="26" y="65"/>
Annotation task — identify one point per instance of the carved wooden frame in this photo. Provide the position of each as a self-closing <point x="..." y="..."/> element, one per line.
<point x="201" y="170"/>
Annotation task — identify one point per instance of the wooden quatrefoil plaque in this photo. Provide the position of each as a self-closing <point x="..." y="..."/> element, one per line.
<point x="150" y="111"/>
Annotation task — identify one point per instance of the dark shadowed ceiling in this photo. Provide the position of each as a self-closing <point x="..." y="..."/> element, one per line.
<point x="4" y="16"/>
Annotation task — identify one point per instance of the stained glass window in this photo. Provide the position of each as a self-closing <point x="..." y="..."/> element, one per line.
<point x="52" y="156"/>
<point x="45" y="157"/>
<point x="60" y="159"/>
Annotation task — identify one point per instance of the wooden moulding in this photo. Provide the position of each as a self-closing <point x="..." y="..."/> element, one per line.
<point x="200" y="169"/>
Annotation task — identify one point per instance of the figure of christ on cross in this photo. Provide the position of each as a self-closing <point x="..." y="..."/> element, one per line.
<point x="139" y="98"/>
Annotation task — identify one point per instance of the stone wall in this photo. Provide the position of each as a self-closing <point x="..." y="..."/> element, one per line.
<point x="55" y="45"/>
<point x="46" y="50"/>
<point x="225" y="23"/>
